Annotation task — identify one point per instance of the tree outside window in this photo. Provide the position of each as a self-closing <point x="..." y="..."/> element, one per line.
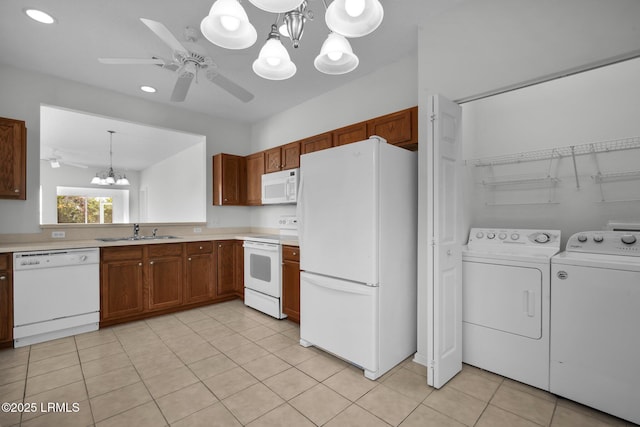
<point x="85" y="210"/>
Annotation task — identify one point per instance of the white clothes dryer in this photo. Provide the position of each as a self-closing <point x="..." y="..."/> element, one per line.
<point x="595" y="314"/>
<point x="506" y="277"/>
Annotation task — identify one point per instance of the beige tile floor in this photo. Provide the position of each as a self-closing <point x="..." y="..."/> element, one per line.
<point x="228" y="365"/>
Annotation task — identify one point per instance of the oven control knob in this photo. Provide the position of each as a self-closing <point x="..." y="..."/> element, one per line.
<point x="515" y="236"/>
<point x="542" y="238"/>
<point x="502" y="236"/>
<point x="491" y="235"/>
<point x="479" y="235"/>
<point x="628" y="239"/>
<point x="582" y="238"/>
<point x="598" y="239"/>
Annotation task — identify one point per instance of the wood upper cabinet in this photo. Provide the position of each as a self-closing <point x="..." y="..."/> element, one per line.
<point x="291" y="282"/>
<point x="165" y="275"/>
<point x="121" y="282"/>
<point x="6" y="301"/>
<point x="199" y="284"/>
<point x="349" y="134"/>
<point x="316" y="143"/>
<point x="13" y="159"/>
<point x="400" y="128"/>
<point x="255" y="170"/>
<point x="229" y="179"/>
<point x="283" y="157"/>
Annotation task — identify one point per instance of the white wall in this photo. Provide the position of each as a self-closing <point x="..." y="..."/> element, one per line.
<point x="389" y="89"/>
<point x="24" y="91"/>
<point x="598" y="105"/>
<point x="179" y="176"/>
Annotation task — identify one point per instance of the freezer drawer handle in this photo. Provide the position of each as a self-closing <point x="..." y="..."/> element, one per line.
<point x="562" y="275"/>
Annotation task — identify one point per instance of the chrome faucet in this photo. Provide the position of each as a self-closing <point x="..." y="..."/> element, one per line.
<point x="136" y="230"/>
<point x="155" y="230"/>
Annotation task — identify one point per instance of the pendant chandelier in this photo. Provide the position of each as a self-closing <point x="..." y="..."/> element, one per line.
<point x="228" y="26"/>
<point x="109" y="176"/>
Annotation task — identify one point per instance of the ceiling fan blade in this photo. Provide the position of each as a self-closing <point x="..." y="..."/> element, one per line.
<point x="234" y="89"/>
<point x="182" y="87"/>
<point x="132" y="61"/>
<point x="163" y="32"/>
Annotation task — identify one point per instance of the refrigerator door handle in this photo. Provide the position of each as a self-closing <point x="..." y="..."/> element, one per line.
<point x="300" y="210"/>
<point x="352" y="288"/>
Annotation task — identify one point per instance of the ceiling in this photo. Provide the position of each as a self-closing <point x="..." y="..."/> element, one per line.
<point x="89" y="29"/>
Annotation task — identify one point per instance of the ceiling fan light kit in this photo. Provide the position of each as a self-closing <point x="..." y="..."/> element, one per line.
<point x="345" y="18"/>
<point x="228" y="26"/>
<point x="336" y="56"/>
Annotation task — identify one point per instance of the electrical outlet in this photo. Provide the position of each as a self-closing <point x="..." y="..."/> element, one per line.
<point x="58" y="234"/>
<point x="197" y="230"/>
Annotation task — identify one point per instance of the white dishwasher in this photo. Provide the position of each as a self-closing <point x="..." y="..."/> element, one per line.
<point x="55" y="294"/>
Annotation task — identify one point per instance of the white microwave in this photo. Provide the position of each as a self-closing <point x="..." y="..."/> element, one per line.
<point x="280" y="187"/>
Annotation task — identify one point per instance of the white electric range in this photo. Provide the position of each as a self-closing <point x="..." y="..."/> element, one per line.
<point x="263" y="267"/>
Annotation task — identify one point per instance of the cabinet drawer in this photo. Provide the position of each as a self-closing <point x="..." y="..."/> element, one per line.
<point x="163" y="250"/>
<point x="194" y="248"/>
<point x="121" y="253"/>
<point x="291" y="253"/>
<point x="4" y="261"/>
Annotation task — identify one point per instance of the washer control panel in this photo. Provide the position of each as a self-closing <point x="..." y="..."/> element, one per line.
<point x="605" y="242"/>
<point x="516" y="237"/>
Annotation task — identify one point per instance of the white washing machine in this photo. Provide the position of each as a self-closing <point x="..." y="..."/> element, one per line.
<point x="506" y="277"/>
<point x="595" y="316"/>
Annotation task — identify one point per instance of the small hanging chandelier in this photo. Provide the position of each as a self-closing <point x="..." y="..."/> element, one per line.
<point x="109" y="176"/>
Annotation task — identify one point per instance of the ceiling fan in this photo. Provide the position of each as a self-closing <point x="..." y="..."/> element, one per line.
<point x="56" y="159"/>
<point x="185" y="62"/>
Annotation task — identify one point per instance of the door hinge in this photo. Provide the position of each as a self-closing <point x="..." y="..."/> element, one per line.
<point x="433" y="118"/>
<point x="431" y="364"/>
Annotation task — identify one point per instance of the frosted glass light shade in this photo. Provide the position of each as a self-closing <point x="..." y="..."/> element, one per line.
<point x="96" y="180"/>
<point x="277" y="6"/>
<point x="336" y="56"/>
<point x="341" y="22"/>
<point x="228" y="26"/>
<point x="273" y="62"/>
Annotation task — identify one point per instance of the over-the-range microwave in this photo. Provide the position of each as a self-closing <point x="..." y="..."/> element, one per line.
<point x="280" y="187"/>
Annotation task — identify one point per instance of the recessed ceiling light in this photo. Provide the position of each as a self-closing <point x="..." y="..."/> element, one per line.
<point x="40" y="16"/>
<point x="148" y="89"/>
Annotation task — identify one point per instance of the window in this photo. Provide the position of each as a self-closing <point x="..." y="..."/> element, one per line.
<point x="85" y="210"/>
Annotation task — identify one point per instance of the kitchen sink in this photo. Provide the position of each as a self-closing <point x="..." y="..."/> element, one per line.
<point x="121" y="239"/>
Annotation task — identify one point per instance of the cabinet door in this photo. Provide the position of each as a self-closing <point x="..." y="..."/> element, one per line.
<point x="397" y="128"/>
<point x="165" y="282"/>
<point x="238" y="255"/>
<point x="226" y="268"/>
<point x="291" y="290"/>
<point x="316" y="143"/>
<point x="199" y="278"/>
<point x="255" y="170"/>
<point x="6" y="307"/>
<point x="291" y="155"/>
<point x="13" y="164"/>
<point x="121" y="289"/>
<point x="349" y="134"/>
<point x="273" y="160"/>
<point x="229" y="179"/>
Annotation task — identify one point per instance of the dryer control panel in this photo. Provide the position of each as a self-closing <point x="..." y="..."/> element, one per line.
<point x="495" y="237"/>
<point x="605" y="242"/>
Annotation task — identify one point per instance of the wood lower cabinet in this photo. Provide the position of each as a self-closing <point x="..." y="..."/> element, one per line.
<point x="199" y="283"/>
<point x="230" y="268"/>
<point x="121" y="282"/>
<point x="229" y="179"/>
<point x="255" y="170"/>
<point x="6" y="301"/>
<point x="291" y="282"/>
<point x="13" y="159"/>
<point x="164" y="275"/>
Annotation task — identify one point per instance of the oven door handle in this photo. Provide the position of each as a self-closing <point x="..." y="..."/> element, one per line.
<point x="261" y="246"/>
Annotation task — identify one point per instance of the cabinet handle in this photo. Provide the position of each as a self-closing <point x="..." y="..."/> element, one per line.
<point x="219" y="246"/>
<point x="200" y="247"/>
<point x="3" y="277"/>
<point x="17" y="190"/>
<point x="139" y="264"/>
<point x="189" y="259"/>
<point x="294" y="254"/>
<point x="151" y="262"/>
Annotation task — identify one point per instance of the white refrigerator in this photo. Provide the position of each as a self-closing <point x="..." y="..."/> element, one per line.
<point x="357" y="225"/>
